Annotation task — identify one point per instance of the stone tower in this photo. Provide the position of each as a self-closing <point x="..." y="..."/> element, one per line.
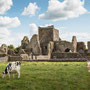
<point x="47" y="34"/>
<point x="74" y="42"/>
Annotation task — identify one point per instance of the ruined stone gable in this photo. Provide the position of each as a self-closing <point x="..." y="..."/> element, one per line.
<point x="74" y="42"/>
<point x="81" y="47"/>
<point x="34" y="45"/>
<point x="24" y="42"/>
<point x="4" y="49"/>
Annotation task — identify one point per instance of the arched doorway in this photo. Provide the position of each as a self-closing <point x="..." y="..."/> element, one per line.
<point x="67" y="50"/>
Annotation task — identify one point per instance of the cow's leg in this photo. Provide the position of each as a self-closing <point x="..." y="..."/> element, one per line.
<point x="88" y="69"/>
<point x="9" y="74"/>
<point x="18" y="74"/>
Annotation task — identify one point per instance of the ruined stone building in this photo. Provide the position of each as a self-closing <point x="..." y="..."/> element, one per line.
<point x="48" y="45"/>
<point x="47" y="42"/>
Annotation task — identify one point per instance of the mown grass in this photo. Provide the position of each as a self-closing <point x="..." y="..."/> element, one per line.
<point x="48" y="76"/>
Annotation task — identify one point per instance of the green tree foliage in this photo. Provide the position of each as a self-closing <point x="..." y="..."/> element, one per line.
<point x="16" y="50"/>
<point x="11" y="47"/>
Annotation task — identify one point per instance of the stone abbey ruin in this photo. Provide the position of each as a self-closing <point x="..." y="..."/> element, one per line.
<point x="47" y="45"/>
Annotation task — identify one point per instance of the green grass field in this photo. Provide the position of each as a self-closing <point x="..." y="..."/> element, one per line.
<point x="48" y="76"/>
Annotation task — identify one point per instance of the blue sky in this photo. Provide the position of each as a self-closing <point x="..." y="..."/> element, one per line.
<point x="68" y="16"/>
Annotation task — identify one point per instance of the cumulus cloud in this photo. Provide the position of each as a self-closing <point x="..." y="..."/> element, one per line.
<point x="5" y="5"/>
<point x="33" y="29"/>
<point x="81" y="36"/>
<point x="16" y="40"/>
<point x="30" y="9"/>
<point x="5" y="34"/>
<point x="9" y="22"/>
<point x="63" y="10"/>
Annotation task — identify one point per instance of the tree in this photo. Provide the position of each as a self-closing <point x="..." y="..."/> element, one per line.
<point x="16" y="50"/>
<point x="11" y="47"/>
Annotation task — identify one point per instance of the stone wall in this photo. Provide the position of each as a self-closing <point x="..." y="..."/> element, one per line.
<point x="50" y="48"/>
<point x="14" y="58"/>
<point x="4" y="49"/>
<point x="66" y="55"/>
<point x="55" y="35"/>
<point x="47" y="34"/>
<point x="24" y="42"/>
<point x="88" y="46"/>
<point x="81" y="47"/>
<point x="4" y="59"/>
<point x="34" y="45"/>
<point x="61" y="46"/>
<point x="74" y="42"/>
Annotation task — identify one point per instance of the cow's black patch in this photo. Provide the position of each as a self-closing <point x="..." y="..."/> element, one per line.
<point x="18" y="63"/>
<point x="8" y="68"/>
<point x="10" y="64"/>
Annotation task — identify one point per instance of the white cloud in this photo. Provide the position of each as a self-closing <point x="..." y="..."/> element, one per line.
<point x="5" y="34"/>
<point x="30" y="9"/>
<point x="46" y="25"/>
<point x="9" y="22"/>
<point x="5" y="5"/>
<point x="17" y="38"/>
<point x="7" y="37"/>
<point x="81" y="36"/>
<point x="63" y="10"/>
<point x="33" y="29"/>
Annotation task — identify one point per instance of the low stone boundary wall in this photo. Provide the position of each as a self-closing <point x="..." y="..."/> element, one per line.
<point x="4" y="59"/>
<point x="2" y="55"/>
<point x="18" y="58"/>
<point x="66" y="55"/>
<point x="14" y="58"/>
<point x="60" y="60"/>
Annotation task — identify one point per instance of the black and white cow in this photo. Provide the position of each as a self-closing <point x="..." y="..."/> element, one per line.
<point x="12" y="67"/>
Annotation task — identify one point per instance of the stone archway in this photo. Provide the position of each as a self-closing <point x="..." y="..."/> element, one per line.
<point x="67" y="50"/>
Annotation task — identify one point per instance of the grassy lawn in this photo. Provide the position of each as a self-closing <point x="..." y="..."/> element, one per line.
<point x="48" y="76"/>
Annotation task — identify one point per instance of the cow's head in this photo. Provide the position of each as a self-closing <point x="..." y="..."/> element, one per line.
<point x="3" y="75"/>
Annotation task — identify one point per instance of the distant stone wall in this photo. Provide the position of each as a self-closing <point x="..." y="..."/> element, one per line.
<point x="61" y="46"/>
<point x="3" y="55"/>
<point x="66" y="55"/>
<point x="14" y="58"/>
<point x="4" y="59"/>
<point x="81" y="47"/>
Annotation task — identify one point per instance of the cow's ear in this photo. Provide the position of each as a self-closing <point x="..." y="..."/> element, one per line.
<point x="20" y="63"/>
<point x="17" y="63"/>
